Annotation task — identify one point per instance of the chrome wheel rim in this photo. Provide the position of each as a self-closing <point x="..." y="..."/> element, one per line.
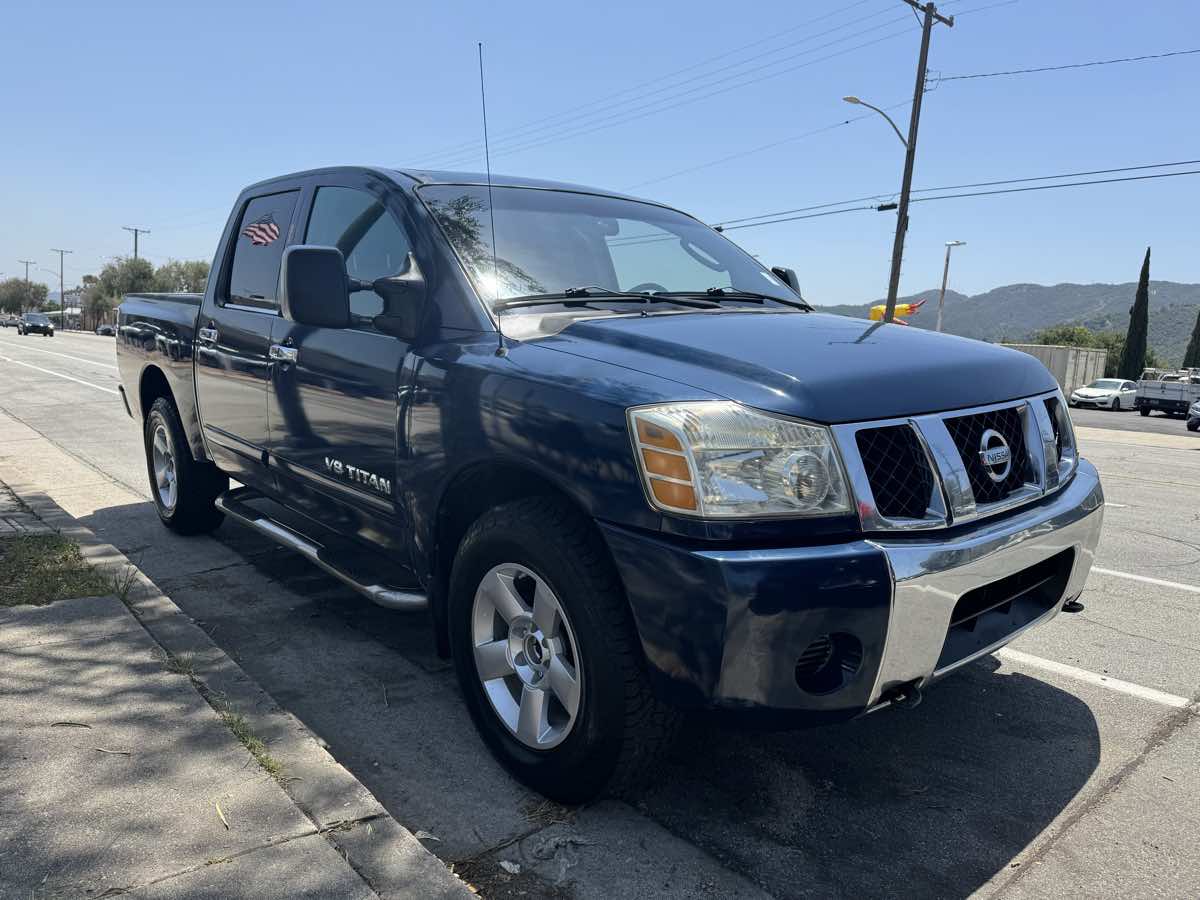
<point x="162" y="459"/>
<point x="526" y="657"/>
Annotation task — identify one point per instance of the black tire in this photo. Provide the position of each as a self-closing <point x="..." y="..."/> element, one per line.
<point x="1193" y="424"/>
<point x="197" y="484"/>
<point x="1144" y="410"/>
<point x="621" y="729"/>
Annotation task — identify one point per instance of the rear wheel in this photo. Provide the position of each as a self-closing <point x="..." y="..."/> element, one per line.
<point x="184" y="490"/>
<point x="1145" y="411"/>
<point x="547" y="654"/>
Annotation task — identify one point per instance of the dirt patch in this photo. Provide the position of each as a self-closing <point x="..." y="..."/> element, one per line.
<point x="36" y="569"/>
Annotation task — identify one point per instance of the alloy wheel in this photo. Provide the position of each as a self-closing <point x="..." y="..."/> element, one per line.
<point x="163" y="461"/>
<point x="526" y="656"/>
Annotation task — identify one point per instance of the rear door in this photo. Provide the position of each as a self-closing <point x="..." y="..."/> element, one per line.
<point x="333" y="410"/>
<point x="234" y="333"/>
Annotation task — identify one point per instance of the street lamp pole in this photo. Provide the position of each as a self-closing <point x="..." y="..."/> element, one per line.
<point x="27" y="263"/>
<point x="62" y="293"/>
<point x="910" y="147"/>
<point x="945" y="275"/>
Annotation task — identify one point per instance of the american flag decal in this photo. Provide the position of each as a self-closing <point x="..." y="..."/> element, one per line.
<point x="263" y="231"/>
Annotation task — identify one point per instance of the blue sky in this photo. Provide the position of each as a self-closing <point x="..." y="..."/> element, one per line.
<point x="156" y="114"/>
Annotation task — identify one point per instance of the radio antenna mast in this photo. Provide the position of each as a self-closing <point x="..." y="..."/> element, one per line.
<point x="487" y="157"/>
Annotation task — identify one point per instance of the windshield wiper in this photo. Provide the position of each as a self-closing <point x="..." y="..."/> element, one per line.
<point x="717" y="294"/>
<point x="581" y="296"/>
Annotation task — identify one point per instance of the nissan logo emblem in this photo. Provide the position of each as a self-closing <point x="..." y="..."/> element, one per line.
<point x="994" y="455"/>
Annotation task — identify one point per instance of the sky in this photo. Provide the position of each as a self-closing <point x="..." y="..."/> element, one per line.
<point x="157" y="114"/>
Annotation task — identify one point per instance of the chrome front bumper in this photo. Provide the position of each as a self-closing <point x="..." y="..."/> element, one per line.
<point x="930" y="575"/>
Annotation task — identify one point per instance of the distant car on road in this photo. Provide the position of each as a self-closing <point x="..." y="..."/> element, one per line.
<point x="106" y="330"/>
<point x="1193" y="417"/>
<point x="36" y="323"/>
<point x="1106" y="393"/>
<point x="9" y="321"/>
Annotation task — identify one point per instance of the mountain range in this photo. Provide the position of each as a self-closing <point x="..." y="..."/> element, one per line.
<point x="1013" y="313"/>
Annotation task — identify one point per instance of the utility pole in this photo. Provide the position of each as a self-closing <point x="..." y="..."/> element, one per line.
<point x="62" y="293"/>
<point x="27" y="263"/>
<point x="950" y="245"/>
<point x="931" y="15"/>
<point x="136" y="232"/>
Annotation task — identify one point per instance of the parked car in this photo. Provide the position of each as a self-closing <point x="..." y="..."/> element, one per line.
<point x="626" y="468"/>
<point x="36" y="323"/>
<point x="1193" y="417"/>
<point x="1172" y="392"/>
<point x="1106" y="393"/>
<point x="9" y="321"/>
<point x="106" y="330"/>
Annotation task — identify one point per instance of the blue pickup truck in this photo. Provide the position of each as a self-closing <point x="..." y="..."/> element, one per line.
<point x="625" y="468"/>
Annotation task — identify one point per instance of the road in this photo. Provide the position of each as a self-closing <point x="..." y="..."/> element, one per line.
<point x="1068" y="766"/>
<point x="1129" y="420"/>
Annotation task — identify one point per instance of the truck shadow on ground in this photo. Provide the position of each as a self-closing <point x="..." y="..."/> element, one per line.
<point x="935" y="801"/>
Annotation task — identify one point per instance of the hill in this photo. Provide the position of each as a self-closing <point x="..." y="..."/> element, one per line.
<point x="1014" y="312"/>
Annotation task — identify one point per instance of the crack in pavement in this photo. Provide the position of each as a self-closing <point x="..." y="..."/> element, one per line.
<point x="1157" y="738"/>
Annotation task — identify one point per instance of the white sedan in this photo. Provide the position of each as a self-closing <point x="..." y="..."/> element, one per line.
<point x="1106" y="393"/>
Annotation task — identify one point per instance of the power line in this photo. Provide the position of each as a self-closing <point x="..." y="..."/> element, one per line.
<point x="1083" y="65"/>
<point x="474" y="144"/>
<point x="1037" y="187"/>
<point x="694" y="94"/>
<point x="956" y="187"/>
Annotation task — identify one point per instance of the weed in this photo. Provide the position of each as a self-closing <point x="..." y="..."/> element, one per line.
<point x="38" y="569"/>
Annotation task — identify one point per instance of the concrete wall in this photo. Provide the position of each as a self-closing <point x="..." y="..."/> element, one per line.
<point x="1072" y="366"/>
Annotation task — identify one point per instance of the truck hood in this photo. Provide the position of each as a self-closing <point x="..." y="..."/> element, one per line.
<point x="818" y="367"/>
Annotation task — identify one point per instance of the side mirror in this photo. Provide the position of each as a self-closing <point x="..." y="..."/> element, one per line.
<point x="315" y="289"/>
<point x="403" y="299"/>
<point x="787" y="276"/>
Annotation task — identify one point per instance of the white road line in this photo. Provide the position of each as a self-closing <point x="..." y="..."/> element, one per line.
<point x="1112" y="684"/>
<point x="1190" y="588"/>
<point x="57" y="374"/>
<point x="81" y="359"/>
<point x="1117" y="505"/>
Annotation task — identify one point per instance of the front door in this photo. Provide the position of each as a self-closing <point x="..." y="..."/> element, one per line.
<point x="333" y="410"/>
<point x="234" y="334"/>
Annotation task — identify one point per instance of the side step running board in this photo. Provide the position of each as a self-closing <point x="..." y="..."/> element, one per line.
<point x="232" y="504"/>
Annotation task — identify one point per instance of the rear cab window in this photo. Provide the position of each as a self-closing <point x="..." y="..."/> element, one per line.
<point x="258" y="248"/>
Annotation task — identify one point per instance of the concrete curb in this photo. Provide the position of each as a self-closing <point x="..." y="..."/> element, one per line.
<point x="386" y="856"/>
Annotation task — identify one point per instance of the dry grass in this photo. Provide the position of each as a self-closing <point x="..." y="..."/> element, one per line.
<point x="37" y="569"/>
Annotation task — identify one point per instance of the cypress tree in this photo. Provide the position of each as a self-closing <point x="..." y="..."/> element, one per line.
<point x="1133" y="357"/>
<point x="1191" y="359"/>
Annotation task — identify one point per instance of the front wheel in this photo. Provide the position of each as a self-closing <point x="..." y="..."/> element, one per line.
<point x="1193" y="424"/>
<point x="547" y="654"/>
<point x="184" y="490"/>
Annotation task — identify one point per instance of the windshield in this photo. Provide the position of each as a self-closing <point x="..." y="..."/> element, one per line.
<point x="1106" y="384"/>
<point x="37" y="319"/>
<point x="549" y="241"/>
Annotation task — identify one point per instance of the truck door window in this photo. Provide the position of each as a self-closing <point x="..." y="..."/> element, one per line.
<point x="258" y="249"/>
<point x="370" y="238"/>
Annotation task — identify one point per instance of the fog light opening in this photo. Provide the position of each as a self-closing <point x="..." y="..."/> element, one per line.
<point x="828" y="663"/>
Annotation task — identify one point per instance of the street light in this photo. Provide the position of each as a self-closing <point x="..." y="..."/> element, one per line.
<point x="950" y="245"/>
<point x="857" y="102"/>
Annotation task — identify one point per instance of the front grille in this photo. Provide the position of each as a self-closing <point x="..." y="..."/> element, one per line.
<point x="897" y="470"/>
<point x="1052" y="408"/>
<point x="967" y="431"/>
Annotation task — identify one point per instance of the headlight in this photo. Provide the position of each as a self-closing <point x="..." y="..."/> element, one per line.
<point x="1066" y="453"/>
<point x="720" y="460"/>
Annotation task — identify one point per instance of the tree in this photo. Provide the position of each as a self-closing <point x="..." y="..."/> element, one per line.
<point x="125" y="275"/>
<point x="181" y="275"/>
<point x="1133" y="358"/>
<point x="17" y="295"/>
<point x="1066" y="335"/>
<point x="1191" y="357"/>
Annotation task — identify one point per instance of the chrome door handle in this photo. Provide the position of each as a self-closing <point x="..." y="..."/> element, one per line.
<point x="207" y="334"/>
<point x="284" y="354"/>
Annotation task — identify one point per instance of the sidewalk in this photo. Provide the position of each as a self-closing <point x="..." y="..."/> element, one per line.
<point x="137" y="759"/>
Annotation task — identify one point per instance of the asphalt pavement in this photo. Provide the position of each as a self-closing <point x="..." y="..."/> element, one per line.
<point x="1068" y="765"/>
